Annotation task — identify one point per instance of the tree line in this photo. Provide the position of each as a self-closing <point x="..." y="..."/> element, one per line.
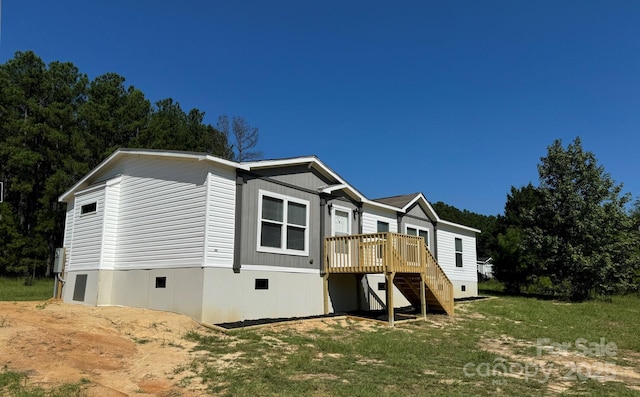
<point x="56" y="125"/>
<point x="573" y="236"/>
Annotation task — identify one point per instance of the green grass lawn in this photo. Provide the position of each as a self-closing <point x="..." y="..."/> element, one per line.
<point x="502" y="346"/>
<point x="16" y="289"/>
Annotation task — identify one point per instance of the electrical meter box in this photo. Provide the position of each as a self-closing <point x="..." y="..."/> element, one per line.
<point x="58" y="262"/>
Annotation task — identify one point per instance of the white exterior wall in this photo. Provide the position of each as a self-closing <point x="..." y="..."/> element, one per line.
<point x="85" y="244"/>
<point x="161" y="214"/>
<point x="371" y="215"/>
<point x="467" y="274"/>
<point x="68" y="233"/>
<point x="230" y="297"/>
<point x="110" y="224"/>
<point x="220" y="218"/>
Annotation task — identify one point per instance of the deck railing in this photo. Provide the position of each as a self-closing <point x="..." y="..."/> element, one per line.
<point x="438" y="282"/>
<point x="374" y="253"/>
<point x="388" y="253"/>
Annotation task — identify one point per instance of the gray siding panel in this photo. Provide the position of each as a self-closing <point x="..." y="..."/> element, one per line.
<point x="250" y="255"/>
<point x="299" y="176"/>
<point x="417" y="217"/>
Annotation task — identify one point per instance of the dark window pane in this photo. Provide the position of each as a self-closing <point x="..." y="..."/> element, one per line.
<point x="424" y="234"/>
<point x="161" y="282"/>
<point x="271" y="235"/>
<point x="382" y="286"/>
<point x="297" y="214"/>
<point x="383" y="227"/>
<point x="458" y="245"/>
<point x="272" y="209"/>
<point x="412" y="232"/>
<point x="262" y="283"/>
<point x="295" y="238"/>
<point x="458" y="259"/>
<point x="88" y="208"/>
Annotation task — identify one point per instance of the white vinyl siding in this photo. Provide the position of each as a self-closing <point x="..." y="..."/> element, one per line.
<point x="283" y="224"/>
<point x="162" y="214"/>
<point x="68" y="232"/>
<point x="86" y="242"/>
<point x="371" y="216"/>
<point x="110" y="224"/>
<point x="446" y="236"/>
<point x="220" y="218"/>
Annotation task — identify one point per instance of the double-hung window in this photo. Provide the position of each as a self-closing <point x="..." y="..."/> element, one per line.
<point x="418" y="231"/>
<point x="283" y="224"/>
<point x="458" y="252"/>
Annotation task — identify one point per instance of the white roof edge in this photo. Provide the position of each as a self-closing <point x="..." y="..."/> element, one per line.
<point x="313" y="160"/>
<point x="471" y="229"/>
<point x="429" y="207"/>
<point x="147" y="152"/>
<point x="380" y="205"/>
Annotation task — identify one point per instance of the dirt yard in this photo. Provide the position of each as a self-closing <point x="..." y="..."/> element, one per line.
<point x="121" y="351"/>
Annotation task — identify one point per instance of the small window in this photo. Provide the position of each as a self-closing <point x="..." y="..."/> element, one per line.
<point x="262" y="283"/>
<point x="458" y="252"/>
<point x="161" y="282"/>
<point x="463" y="288"/>
<point x="383" y="227"/>
<point x="382" y="286"/>
<point x="88" y="208"/>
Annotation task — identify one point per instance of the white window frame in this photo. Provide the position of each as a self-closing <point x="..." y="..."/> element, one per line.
<point x="283" y="232"/>
<point x="90" y="212"/>
<point x="418" y="229"/>
<point x="349" y="212"/>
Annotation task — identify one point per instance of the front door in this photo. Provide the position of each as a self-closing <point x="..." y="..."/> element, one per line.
<point x="341" y="227"/>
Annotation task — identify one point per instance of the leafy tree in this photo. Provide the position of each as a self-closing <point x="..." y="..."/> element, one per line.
<point x="113" y="115"/>
<point x="245" y="137"/>
<point x="573" y="228"/>
<point x="42" y="151"/>
<point x="55" y="125"/>
<point x="513" y="265"/>
<point x="171" y="128"/>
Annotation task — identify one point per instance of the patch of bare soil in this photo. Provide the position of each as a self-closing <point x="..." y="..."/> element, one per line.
<point x="122" y="351"/>
<point x="558" y="368"/>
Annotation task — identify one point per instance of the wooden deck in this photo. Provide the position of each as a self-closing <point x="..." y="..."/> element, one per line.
<point x="404" y="260"/>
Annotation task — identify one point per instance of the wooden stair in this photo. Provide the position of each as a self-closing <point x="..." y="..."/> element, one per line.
<point x="409" y="285"/>
<point x="438" y="287"/>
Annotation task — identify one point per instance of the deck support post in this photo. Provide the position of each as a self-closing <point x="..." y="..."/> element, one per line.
<point x="325" y="289"/>
<point x="390" y="277"/>
<point x="359" y="288"/>
<point x="423" y="297"/>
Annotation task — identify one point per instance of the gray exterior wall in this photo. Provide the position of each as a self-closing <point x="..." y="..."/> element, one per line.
<point x="417" y="217"/>
<point x="306" y="185"/>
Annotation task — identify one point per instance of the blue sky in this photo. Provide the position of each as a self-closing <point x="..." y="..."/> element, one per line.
<point x="456" y="99"/>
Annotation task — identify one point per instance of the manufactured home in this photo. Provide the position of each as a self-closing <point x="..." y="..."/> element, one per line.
<point x="223" y="241"/>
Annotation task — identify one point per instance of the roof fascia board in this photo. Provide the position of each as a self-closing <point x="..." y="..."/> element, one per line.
<point x="420" y="197"/>
<point x="312" y="161"/>
<point x="154" y="153"/>
<point x="459" y="226"/>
